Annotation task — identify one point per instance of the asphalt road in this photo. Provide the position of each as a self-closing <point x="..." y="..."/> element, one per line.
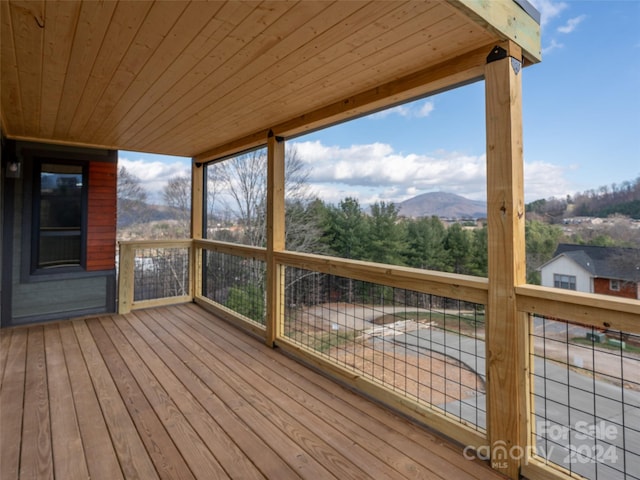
<point x="584" y="424"/>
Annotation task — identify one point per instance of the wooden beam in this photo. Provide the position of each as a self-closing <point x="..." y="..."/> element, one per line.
<point x="433" y="79"/>
<point x="275" y="236"/>
<point x="507" y="347"/>
<point x="507" y="19"/>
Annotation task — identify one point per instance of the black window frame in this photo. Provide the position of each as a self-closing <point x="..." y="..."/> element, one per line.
<point x="33" y="158"/>
<point x="34" y="269"/>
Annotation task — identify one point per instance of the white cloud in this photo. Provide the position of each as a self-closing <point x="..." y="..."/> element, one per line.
<point x="426" y="109"/>
<point x="408" y="110"/>
<point x="571" y="24"/>
<point x="554" y="45"/>
<point x="545" y="180"/>
<point x="375" y="172"/>
<point x="154" y="174"/>
<point x="548" y="9"/>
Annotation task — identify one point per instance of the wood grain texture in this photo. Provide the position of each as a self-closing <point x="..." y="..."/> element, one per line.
<point x="174" y="392"/>
<point x="11" y="402"/>
<point x="102" y="215"/>
<point x="37" y="460"/>
<point x="275" y="236"/>
<point x="506" y="329"/>
<point x="188" y="77"/>
<point x="68" y="456"/>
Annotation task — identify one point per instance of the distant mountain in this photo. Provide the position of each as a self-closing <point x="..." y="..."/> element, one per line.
<point x="442" y="204"/>
<point x="131" y="212"/>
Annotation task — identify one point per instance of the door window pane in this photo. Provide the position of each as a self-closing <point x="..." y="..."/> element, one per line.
<point x="60" y="215"/>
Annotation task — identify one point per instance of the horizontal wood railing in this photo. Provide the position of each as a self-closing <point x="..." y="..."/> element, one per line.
<point x="594" y="310"/>
<point x="587" y="310"/>
<point x="127" y="271"/>
<point x="462" y="287"/>
<point x="593" y="313"/>
<point x="235" y="250"/>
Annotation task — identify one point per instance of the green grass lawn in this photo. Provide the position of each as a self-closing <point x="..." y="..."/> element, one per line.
<point x="607" y="346"/>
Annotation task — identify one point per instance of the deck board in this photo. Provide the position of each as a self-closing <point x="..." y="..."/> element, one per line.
<point x="36" y="461"/>
<point x="68" y="457"/>
<point x="11" y="402"/>
<point x="100" y="455"/>
<point x="175" y="393"/>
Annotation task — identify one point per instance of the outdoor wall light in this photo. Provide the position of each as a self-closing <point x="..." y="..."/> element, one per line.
<point x="13" y="168"/>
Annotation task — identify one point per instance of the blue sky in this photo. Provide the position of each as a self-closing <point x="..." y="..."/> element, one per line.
<point x="581" y="120"/>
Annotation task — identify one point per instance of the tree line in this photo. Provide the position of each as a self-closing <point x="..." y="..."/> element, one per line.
<point x="236" y="206"/>
<point x="621" y="199"/>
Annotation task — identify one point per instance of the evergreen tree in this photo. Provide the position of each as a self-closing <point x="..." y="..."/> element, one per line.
<point x="479" y="258"/>
<point x="425" y="244"/>
<point x="347" y="229"/>
<point x="458" y="244"/>
<point x="386" y="235"/>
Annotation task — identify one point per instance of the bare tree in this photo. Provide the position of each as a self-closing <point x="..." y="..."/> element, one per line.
<point x="241" y="184"/>
<point x="242" y="190"/>
<point x="177" y="195"/>
<point x="244" y="180"/>
<point x="132" y="199"/>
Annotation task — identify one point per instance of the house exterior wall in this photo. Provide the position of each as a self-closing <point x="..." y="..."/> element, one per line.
<point x="627" y="289"/>
<point x="27" y="297"/>
<point x="101" y="222"/>
<point x="565" y="266"/>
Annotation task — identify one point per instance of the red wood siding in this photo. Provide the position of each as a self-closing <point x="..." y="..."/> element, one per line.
<point x="627" y="289"/>
<point x="101" y="225"/>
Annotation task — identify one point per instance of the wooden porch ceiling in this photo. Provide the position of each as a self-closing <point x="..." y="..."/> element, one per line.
<point x="190" y="78"/>
<point x="176" y="393"/>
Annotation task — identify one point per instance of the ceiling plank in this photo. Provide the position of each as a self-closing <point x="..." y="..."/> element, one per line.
<point x="397" y="61"/>
<point x="61" y="19"/>
<point x="356" y="72"/>
<point x="28" y="20"/>
<point x="197" y="16"/>
<point x="188" y="72"/>
<point x="11" y="101"/>
<point x="318" y="55"/>
<point x="184" y="77"/>
<point x="260" y="31"/>
<point x="159" y="20"/>
<point x="448" y="74"/>
<point x="125" y="22"/>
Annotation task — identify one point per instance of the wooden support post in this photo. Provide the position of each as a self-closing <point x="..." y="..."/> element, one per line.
<point x="197" y="217"/>
<point x="197" y="202"/>
<point x="275" y="236"/>
<point x="126" y="266"/>
<point x="506" y="338"/>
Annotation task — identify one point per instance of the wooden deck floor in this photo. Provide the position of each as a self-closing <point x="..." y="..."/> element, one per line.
<point x="176" y="393"/>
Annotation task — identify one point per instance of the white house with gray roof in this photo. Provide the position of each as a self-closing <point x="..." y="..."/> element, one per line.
<point x="593" y="269"/>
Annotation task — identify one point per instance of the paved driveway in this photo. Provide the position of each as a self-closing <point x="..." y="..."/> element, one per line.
<point x="579" y="419"/>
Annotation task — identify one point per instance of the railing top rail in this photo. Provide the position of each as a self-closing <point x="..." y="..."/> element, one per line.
<point x="178" y="243"/>
<point x="599" y="311"/>
<point x="247" y="251"/>
<point x="463" y="287"/>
